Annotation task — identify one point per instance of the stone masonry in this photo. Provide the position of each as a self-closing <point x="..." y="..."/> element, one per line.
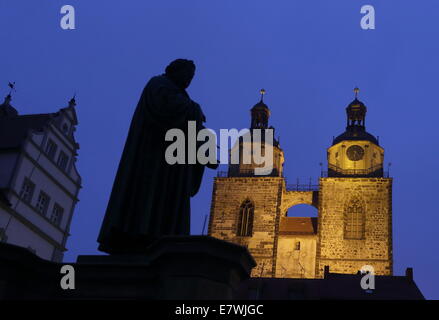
<point x="349" y="255"/>
<point x="265" y="193"/>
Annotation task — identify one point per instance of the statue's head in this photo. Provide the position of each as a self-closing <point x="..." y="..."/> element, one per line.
<point x="181" y="72"/>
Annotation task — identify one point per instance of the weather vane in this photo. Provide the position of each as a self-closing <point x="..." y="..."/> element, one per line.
<point x="11" y="85"/>
<point x="356" y="90"/>
<point x="262" y="92"/>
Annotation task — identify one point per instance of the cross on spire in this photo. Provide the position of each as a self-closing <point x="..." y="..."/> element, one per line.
<point x="262" y="92"/>
<point x="356" y="90"/>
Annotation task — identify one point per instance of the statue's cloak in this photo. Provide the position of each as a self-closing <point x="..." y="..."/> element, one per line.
<point x="151" y="198"/>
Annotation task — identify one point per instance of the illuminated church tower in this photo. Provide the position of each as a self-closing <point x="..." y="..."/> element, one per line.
<point x="245" y="206"/>
<point x="355" y="202"/>
<point x="260" y="113"/>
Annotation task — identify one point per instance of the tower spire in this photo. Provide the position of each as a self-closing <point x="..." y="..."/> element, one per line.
<point x="72" y="101"/>
<point x="8" y="98"/>
<point x="11" y="85"/>
<point x="356" y="112"/>
<point x="6" y="109"/>
<point x="356" y="91"/>
<point x="262" y="92"/>
<point x="260" y="113"/>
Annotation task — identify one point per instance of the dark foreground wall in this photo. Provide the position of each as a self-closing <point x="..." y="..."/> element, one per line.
<point x="181" y="268"/>
<point x="332" y="287"/>
<point x="194" y="267"/>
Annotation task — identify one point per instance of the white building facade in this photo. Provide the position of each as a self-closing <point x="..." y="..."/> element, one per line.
<point x="39" y="182"/>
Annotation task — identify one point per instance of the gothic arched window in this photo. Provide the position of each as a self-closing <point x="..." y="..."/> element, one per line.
<point x="245" y="219"/>
<point x="354" y="224"/>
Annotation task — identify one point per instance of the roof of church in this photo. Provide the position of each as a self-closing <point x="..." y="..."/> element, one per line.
<point x="298" y="225"/>
<point x="355" y="133"/>
<point x="356" y="103"/>
<point x="356" y="111"/>
<point x="13" y="130"/>
<point x="260" y="106"/>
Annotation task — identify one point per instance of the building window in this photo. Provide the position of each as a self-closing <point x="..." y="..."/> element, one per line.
<point x="42" y="203"/>
<point x="297" y="245"/>
<point x="354" y="220"/>
<point x="27" y="190"/>
<point x="245" y="222"/>
<point x="57" y="213"/>
<point x="62" y="160"/>
<point x="51" y="148"/>
<point x="3" y="236"/>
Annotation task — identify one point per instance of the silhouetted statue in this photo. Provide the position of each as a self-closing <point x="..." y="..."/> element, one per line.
<point x="151" y="198"/>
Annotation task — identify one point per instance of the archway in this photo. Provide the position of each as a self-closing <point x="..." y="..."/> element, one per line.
<point x="302" y="210"/>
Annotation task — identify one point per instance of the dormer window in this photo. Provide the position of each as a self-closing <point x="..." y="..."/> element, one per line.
<point x="57" y="214"/>
<point x="63" y="159"/>
<point x="27" y="190"/>
<point x="42" y="203"/>
<point x="51" y="148"/>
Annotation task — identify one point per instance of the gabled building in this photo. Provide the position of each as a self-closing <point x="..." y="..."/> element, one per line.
<point x="39" y="182"/>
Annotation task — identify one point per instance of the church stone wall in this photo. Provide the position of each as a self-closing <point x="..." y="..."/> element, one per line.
<point x="295" y="262"/>
<point x="265" y="193"/>
<point x="349" y="255"/>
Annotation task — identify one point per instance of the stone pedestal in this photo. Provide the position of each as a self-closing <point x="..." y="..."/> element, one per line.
<point x="177" y="267"/>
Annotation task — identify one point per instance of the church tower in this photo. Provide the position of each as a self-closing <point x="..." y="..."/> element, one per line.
<point x="355" y="202"/>
<point x="252" y="142"/>
<point x="245" y="205"/>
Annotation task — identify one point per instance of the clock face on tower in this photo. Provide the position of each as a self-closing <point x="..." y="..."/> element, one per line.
<point x="355" y="153"/>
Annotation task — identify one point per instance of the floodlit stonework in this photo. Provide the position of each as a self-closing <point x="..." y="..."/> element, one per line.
<point x="335" y="249"/>
<point x="353" y="198"/>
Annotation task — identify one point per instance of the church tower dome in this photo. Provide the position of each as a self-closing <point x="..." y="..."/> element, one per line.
<point x="260" y="113"/>
<point x="355" y="152"/>
<point x="261" y="137"/>
<point x="356" y="123"/>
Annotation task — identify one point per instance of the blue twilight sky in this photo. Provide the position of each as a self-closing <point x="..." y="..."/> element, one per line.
<point x="307" y="54"/>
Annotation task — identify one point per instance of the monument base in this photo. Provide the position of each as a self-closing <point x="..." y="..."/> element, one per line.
<point x="174" y="267"/>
